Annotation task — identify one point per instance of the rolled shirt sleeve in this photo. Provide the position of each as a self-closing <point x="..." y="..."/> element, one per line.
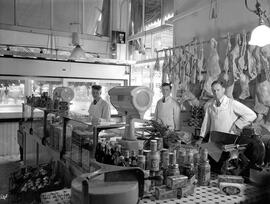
<point x="106" y="112"/>
<point x="245" y="115"/>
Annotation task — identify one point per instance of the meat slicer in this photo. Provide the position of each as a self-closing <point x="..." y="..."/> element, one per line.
<point x="233" y="154"/>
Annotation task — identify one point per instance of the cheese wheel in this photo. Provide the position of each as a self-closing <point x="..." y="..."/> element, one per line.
<point x="124" y="192"/>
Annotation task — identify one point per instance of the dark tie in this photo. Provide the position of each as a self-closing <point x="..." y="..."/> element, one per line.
<point x="163" y="100"/>
<point x="95" y="102"/>
<point x="218" y="103"/>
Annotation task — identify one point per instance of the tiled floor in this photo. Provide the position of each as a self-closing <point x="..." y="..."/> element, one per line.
<point x="8" y="164"/>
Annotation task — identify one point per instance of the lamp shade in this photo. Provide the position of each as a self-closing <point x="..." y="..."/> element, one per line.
<point x="77" y="53"/>
<point x="260" y="36"/>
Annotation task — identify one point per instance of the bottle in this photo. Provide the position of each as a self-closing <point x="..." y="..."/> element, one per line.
<point x="204" y="169"/>
<point x="141" y="161"/>
<point x="116" y="155"/>
<point x="122" y="161"/>
<point x="189" y="165"/>
<point x="182" y="160"/>
<point x="196" y="164"/>
<point x="133" y="159"/>
<point x="127" y="158"/>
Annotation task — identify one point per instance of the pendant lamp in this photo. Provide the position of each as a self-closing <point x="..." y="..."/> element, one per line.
<point x="260" y="35"/>
<point x="77" y="53"/>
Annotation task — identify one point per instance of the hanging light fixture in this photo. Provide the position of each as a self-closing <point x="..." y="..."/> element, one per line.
<point x="77" y="53"/>
<point x="260" y="35"/>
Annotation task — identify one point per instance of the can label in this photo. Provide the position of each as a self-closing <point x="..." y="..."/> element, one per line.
<point x="154" y="164"/>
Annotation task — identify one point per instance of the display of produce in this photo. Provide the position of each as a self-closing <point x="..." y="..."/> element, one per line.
<point x="32" y="181"/>
<point x="197" y="114"/>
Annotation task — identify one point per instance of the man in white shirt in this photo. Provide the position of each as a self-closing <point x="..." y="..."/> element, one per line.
<point x="167" y="109"/>
<point x="99" y="109"/>
<point x="224" y="114"/>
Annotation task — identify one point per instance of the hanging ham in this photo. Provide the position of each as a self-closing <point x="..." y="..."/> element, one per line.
<point x="212" y="68"/>
<point x="263" y="89"/>
<point x="243" y="78"/>
<point x="165" y="68"/>
<point x="200" y="62"/>
<point x="233" y="70"/>
<point x="194" y="63"/>
<point x="157" y="64"/>
<point x="226" y="60"/>
<point x="251" y="62"/>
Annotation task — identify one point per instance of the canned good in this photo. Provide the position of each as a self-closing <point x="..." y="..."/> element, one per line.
<point x="159" y="143"/>
<point x="153" y="145"/>
<point x="154" y="161"/>
<point x="147" y="159"/>
<point x="141" y="161"/>
<point x="181" y="157"/>
<point x="204" y="155"/>
<point x="173" y="170"/>
<point x="172" y="158"/>
<point x="164" y="158"/>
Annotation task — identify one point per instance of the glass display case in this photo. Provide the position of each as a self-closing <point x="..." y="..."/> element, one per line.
<point x="51" y="135"/>
<point x="80" y="138"/>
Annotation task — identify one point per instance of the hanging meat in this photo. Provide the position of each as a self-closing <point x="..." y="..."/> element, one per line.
<point x="200" y="62"/>
<point x="243" y="78"/>
<point x="165" y="68"/>
<point x="251" y="62"/>
<point x="157" y="64"/>
<point x="175" y="66"/>
<point x="233" y="70"/>
<point x="212" y="68"/>
<point x="188" y="66"/>
<point x="263" y="89"/>
<point x="194" y="64"/>
<point x="183" y="65"/>
<point x="256" y="54"/>
<point x="226" y="61"/>
<point x="234" y="55"/>
<point x="266" y="55"/>
<point x="170" y="67"/>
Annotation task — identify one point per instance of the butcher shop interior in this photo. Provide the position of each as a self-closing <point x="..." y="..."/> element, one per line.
<point x="134" y="101"/>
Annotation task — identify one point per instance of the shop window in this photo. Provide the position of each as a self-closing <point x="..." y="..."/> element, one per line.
<point x="11" y="92"/>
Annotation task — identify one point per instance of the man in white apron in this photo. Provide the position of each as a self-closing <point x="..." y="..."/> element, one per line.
<point x="225" y="114"/>
<point x="167" y="109"/>
<point x="99" y="109"/>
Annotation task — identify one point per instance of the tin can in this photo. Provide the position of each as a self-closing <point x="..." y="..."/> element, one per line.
<point x="172" y="158"/>
<point x="159" y="143"/>
<point x="141" y="161"/>
<point x="204" y="155"/>
<point x="164" y="158"/>
<point x="147" y="159"/>
<point x="182" y="160"/>
<point x="153" y="145"/>
<point x="154" y="161"/>
<point x="173" y="170"/>
<point x="204" y="173"/>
